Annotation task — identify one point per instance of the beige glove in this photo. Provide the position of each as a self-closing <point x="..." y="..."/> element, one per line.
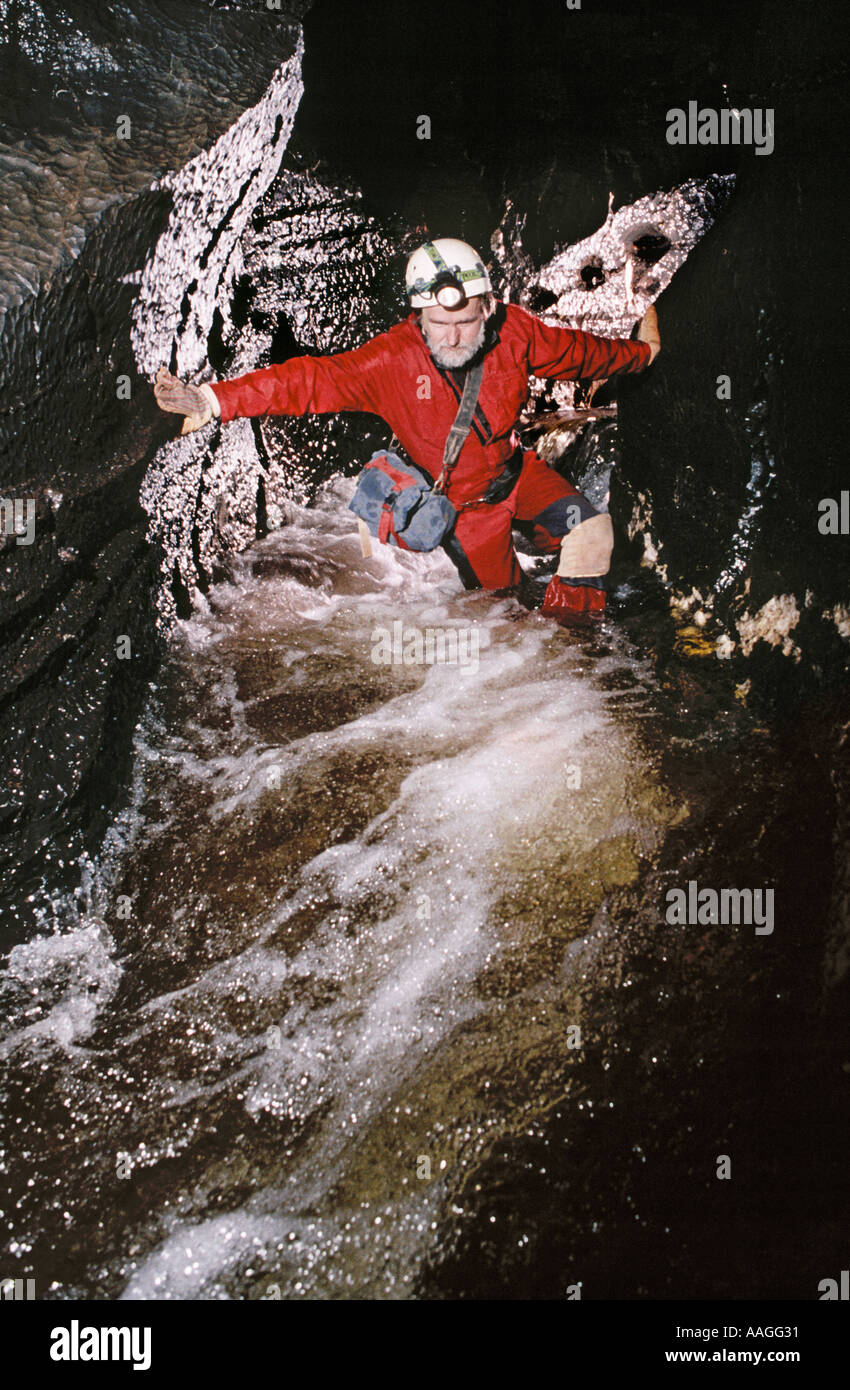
<point x="197" y="403"/>
<point x="648" y="332"/>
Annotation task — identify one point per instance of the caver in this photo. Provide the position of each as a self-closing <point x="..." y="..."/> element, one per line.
<point x="416" y="377"/>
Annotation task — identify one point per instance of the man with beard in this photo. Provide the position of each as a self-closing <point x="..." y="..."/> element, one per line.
<point x="413" y="377"/>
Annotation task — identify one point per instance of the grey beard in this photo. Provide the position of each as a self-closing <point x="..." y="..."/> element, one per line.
<point x="453" y="358"/>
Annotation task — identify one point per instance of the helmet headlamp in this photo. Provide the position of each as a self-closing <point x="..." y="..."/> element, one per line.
<point x="448" y="293"/>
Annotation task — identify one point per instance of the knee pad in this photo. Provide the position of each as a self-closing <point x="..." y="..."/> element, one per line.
<point x="586" y="549"/>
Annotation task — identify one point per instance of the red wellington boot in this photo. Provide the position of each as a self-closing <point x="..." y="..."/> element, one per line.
<point x="574" y="602"/>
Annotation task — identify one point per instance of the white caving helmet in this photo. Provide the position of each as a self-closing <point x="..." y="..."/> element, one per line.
<point x="445" y="272"/>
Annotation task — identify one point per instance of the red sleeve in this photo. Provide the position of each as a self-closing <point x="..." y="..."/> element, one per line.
<point x="308" y="385"/>
<point x="568" y="354"/>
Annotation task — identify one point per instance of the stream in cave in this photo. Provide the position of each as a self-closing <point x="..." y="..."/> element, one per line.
<point x="364" y="922"/>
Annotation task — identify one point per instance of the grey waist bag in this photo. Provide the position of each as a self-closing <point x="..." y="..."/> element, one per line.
<point x="400" y="504"/>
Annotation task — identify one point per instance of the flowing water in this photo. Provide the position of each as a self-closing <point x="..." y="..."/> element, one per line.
<point x="338" y="945"/>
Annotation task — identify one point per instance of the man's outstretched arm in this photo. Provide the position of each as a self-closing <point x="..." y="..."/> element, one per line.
<point x="300" y="386"/>
<point x="570" y="354"/>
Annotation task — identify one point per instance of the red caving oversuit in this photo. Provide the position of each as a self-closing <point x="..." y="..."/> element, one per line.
<point x="394" y="376"/>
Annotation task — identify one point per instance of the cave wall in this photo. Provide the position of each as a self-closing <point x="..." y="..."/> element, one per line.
<point x="721" y="496"/>
<point x="302" y="278"/>
<point x="721" y="499"/>
<point x="79" y="428"/>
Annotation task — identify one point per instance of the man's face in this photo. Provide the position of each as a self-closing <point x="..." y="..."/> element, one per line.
<point x="454" y="336"/>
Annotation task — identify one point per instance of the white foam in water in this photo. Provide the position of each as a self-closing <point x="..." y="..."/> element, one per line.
<point x="64" y="980"/>
<point x="401" y="913"/>
<point x="439" y="854"/>
<point x="181" y="1267"/>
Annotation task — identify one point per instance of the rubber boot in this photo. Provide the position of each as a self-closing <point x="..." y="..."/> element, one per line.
<point x="574" y="602"/>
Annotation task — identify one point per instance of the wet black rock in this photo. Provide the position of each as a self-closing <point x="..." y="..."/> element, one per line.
<point x="98" y="99"/>
<point x="78" y="425"/>
<point x="303" y="276"/>
<point x="737" y="434"/>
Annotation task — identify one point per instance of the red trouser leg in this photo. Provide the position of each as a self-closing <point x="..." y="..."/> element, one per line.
<point x="484" y="533"/>
<point x="555" y="507"/>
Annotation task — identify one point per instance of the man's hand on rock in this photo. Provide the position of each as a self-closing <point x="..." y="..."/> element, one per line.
<point x="180" y="398"/>
<point x="648" y="332"/>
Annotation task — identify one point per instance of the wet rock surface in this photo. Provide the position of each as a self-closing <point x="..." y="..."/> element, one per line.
<point x="101" y="98"/>
<point x="78" y="426"/>
<point x="722" y="494"/>
<point x="299" y="280"/>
